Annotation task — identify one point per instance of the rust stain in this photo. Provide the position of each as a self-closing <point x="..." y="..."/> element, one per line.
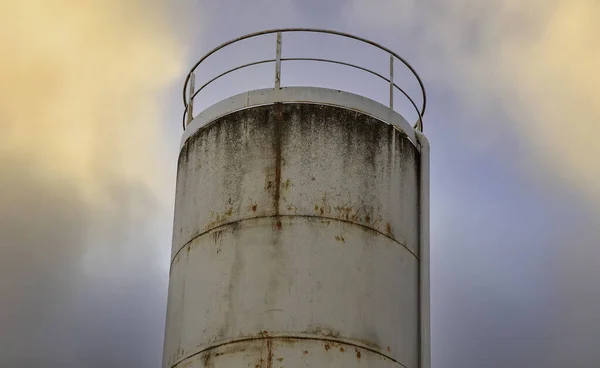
<point x="327" y="347"/>
<point x="343" y="210"/>
<point x="321" y="211"/>
<point x="270" y="353"/>
<point x="326" y="332"/>
<point x="342" y="350"/>
<point x="252" y="207"/>
<point x="305" y="352"/>
<point x="216" y="235"/>
<point x="368" y="219"/>
<point x="358" y="354"/>
<point x="388" y="228"/>
<point x="206" y="360"/>
<point x="218" y="218"/>
<point x="340" y="238"/>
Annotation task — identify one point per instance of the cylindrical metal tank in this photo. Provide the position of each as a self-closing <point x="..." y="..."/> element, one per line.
<point x="298" y="235"/>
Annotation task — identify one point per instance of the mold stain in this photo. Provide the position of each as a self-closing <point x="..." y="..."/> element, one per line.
<point x="287" y="184"/>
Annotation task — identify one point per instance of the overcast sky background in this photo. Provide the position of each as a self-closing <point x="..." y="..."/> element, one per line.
<point x="90" y="122"/>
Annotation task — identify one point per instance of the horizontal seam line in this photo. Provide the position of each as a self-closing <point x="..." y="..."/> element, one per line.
<point x="275" y="216"/>
<point x="281" y="337"/>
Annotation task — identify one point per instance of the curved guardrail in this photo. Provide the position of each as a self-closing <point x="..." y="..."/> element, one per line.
<point x="189" y="91"/>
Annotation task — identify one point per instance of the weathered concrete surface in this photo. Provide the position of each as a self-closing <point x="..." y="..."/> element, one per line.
<point x="296" y="221"/>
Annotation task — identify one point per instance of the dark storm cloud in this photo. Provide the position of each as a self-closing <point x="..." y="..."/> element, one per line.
<point x="53" y="311"/>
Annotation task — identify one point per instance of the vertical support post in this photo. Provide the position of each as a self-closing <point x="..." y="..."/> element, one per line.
<point x="278" y="62"/>
<point x="391" y="82"/>
<point x="424" y="259"/>
<point x="190" y="106"/>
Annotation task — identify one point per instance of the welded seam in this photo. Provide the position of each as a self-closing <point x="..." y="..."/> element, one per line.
<point x="288" y="337"/>
<point x="225" y="224"/>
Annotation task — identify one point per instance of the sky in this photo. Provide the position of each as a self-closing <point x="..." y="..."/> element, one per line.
<point x="90" y="123"/>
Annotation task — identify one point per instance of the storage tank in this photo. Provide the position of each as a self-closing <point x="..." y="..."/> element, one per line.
<point x="301" y="229"/>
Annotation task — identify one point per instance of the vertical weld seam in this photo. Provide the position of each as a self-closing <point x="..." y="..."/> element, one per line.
<point x="278" y="122"/>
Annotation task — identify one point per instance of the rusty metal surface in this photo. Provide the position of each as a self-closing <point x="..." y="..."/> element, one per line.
<point x="279" y="352"/>
<point x="305" y="95"/>
<point x="296" y="224"/>
<point x="296" y="276"/>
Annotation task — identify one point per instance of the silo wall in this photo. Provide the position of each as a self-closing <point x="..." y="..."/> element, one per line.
<point x="295" y="242"/>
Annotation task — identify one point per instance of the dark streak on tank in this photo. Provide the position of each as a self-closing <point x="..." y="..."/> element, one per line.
<point x="270" y="353"/>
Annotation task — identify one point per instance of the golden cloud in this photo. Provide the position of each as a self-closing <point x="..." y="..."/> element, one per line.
<point x="537" y="60"/>
<point x="82" y="86"/>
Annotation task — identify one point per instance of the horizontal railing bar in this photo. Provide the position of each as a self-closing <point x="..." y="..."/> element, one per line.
<point x="310" y="30"/>
<point x="364" y="69"/>
<point x="310" y="59"/>
<point x="232" y="70"/>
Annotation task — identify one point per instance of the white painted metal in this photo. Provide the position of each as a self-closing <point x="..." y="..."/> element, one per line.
<point x="308" y="95"/>
<point x="391" y="82"/>
<point x="190" y="105"/>
<point x="424" y="290"/>
<point x="298" y="240"/>
<point x="278" y="61"/>
<point x="280" y="31"/>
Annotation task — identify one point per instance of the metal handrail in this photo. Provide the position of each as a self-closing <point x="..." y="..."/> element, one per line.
<point x="189" y="81"/>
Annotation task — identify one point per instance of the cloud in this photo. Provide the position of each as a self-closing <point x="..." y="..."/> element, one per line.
<point x="535" y="61"/>
<point x="513" y="269"/>
<point x="85" y="188"/>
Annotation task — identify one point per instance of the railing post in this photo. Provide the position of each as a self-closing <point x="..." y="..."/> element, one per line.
<point x="190" y="106"/>
<point x="278" y="62"/>
<point x="391" y="82"/>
